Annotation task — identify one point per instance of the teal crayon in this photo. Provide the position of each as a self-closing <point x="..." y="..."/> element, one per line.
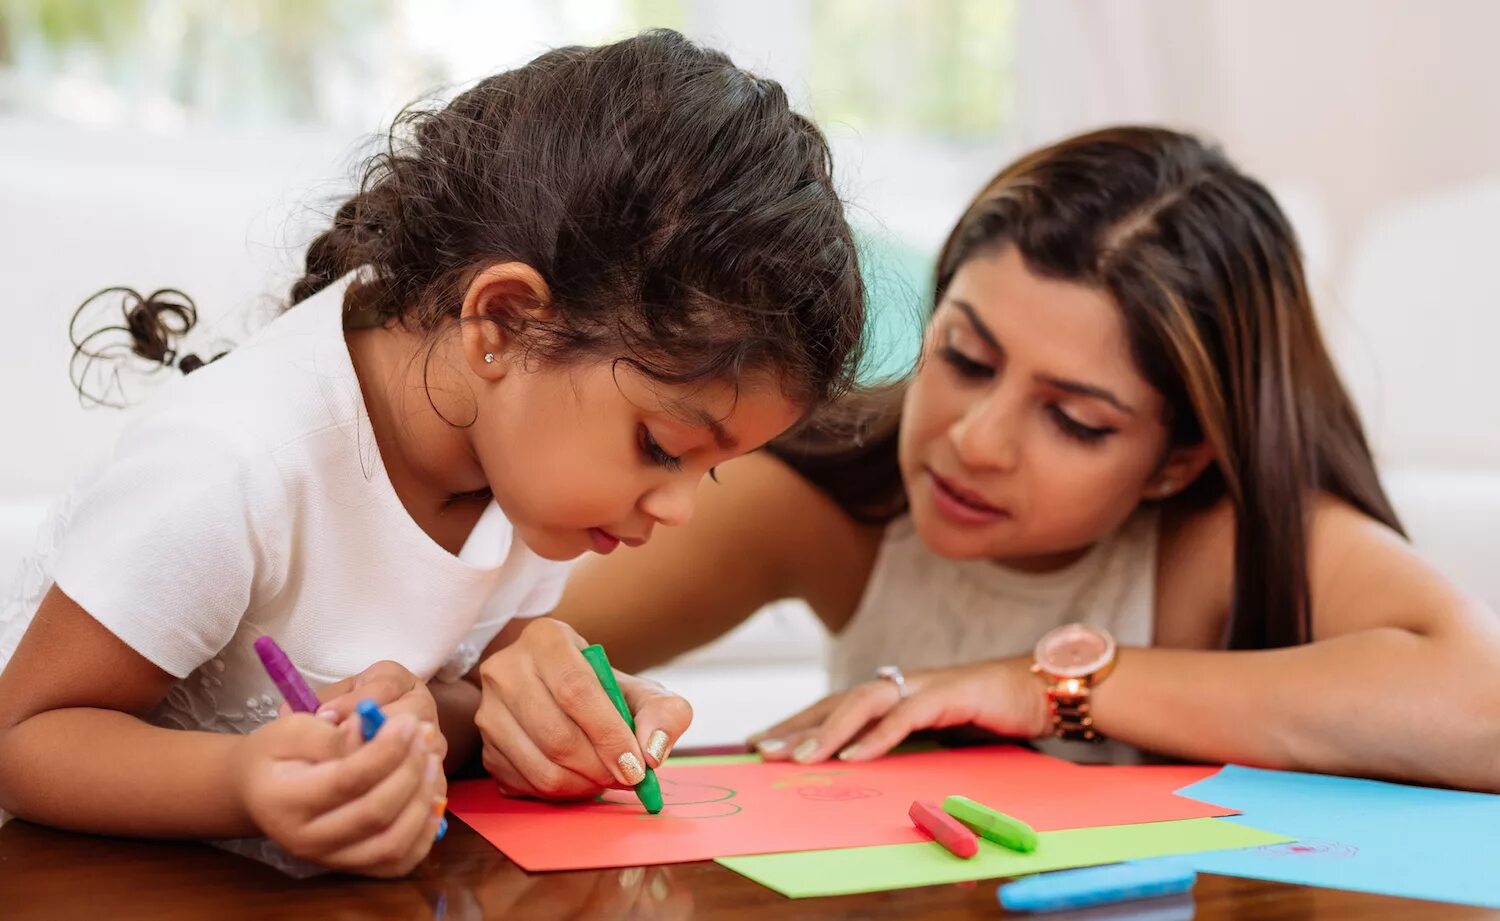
<point x="649" y="789"/>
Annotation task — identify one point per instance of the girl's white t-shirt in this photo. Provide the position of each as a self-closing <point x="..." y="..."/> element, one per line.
<point x="250" y="499"/>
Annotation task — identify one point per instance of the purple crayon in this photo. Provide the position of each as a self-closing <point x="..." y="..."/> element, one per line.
<point x="298" y="695"/>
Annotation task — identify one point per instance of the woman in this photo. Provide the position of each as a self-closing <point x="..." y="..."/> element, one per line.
<point x="1126" y="496"/>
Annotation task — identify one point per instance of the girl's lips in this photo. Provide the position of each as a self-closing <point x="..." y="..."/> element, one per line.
<point x="960" y="505"/>
<point x="604" y="542"/>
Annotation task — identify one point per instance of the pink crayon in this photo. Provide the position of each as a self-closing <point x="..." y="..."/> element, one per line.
<point x="298" y="695"/>
<point x="944" y="829"/>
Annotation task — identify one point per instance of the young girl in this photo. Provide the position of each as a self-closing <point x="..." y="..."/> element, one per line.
<point x="553" y="307"/>
<point x="1128" y="498"/>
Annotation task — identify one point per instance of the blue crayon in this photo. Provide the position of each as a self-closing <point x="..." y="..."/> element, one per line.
<point x="370" y="721"/>
<point x="370" y="718"/>
<point x="1097" y="885"/>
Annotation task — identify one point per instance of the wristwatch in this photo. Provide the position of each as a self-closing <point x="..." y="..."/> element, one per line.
<point x="1072" y="659"/>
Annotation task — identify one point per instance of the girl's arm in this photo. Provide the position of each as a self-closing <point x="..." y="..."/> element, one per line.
<point x="1402" y="678"/>
<point x="75" y="754"/>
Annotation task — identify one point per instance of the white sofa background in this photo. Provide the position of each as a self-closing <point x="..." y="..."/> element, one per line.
<point x="1413" y="323"/>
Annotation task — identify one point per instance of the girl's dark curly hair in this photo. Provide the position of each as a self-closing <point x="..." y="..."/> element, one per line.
<point x="681" y="215"/>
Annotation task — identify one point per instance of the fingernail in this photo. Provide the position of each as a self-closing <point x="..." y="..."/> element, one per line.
<point x="630" y="766"/>
<point x="656" y="746"/>
<point x="440" y="806"/>
<point x="630" y="878"/>
<point x="408" y="728"/>
<point x="428" y="731"/>
<point x="442" y="829"/>
<point x="805" y="751"/>
<point x="770" y="746"/>
<point x="331" y="716"/>
<point x="433" y="767"/>
<point x="849" y="753"/>
<point x="659" y="889"/>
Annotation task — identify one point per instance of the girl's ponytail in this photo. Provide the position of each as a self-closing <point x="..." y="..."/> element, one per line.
<point x="149" y="329"/>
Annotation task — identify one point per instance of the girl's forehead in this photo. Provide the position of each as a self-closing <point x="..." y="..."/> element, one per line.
<point x="737" y="413"/>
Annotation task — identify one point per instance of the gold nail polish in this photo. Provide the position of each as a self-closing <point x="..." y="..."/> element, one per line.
<point x="659" y="889"/>
<point x="656" y="746"/>
<point x="804" y="751"/>
<point x="631" y="877"/>
<point x="630" y="766"/>
<point x="770" y="746"/>
<point x="848" y="754"/>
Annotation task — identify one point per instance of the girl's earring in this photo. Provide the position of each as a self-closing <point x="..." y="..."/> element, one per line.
<point x="489" y="358"/>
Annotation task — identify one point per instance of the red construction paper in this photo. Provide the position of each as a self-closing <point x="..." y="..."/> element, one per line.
<point x="726" y="810"/>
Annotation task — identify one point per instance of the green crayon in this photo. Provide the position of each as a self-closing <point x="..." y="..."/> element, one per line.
<point x="987" y="823"/>
<point x="649" y="790"/>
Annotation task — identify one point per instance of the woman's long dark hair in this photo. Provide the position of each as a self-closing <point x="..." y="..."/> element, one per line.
<point x="1207" y="274"/>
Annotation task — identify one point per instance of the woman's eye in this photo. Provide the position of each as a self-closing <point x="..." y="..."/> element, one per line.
<point x="966" y="366"/>
<point x="1076" y="430"/>
<point x="655" y="454"/>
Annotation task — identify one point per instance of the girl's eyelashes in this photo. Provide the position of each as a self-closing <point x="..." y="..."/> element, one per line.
<point x="654" y="452"/>
<point x="964" y="365"/>
<point x="1076" y="430"/>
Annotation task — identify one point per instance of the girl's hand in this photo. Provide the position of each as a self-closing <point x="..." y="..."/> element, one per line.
<point x="550" y="730"/>
<point x="393" y="688"/>
<point x="324" y="796"/>
<point x="867" y="721"/>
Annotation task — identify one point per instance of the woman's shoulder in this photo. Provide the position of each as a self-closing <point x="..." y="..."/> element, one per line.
<point x="1360" y="572"/>
<point x="1194" y="575"/>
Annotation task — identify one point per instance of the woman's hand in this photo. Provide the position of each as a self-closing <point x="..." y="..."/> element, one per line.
<point x="324" y="796"/>
<point x="551" y="731"/>
<point x="867" y="721"/>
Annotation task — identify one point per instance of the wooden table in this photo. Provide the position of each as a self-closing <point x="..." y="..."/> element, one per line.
<point x="51" y="874"/>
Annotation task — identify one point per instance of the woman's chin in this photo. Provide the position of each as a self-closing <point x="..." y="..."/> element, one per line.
<point x="954" y="540"/>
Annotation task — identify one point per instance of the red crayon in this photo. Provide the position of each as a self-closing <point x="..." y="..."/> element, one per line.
<point x="945" y="829"/>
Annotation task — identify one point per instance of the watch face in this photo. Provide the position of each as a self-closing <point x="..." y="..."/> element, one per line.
<point x="1073" y="650"/>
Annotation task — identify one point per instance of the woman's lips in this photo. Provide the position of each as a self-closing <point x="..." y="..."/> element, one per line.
<point x="961" y="505"/>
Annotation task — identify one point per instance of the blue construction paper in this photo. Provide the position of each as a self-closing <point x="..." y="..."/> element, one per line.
<point x="1365" y="835"/>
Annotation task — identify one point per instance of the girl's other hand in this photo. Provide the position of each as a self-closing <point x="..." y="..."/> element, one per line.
<point x="550" y="730"/>
<point x="869" y="720"/>
<point x="316" y="790"/>
<point x="395" y="689"/>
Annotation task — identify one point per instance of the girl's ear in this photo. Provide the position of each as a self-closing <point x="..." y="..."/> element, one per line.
<point x="500" y="298"/>
<point x="1178" y="471"/>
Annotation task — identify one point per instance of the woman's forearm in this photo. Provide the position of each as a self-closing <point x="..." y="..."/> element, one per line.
<point x="107" y="772"/>
<point x="457" y="702"/>
<point x="1383" y="702"/>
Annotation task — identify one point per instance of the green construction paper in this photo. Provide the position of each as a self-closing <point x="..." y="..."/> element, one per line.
<point x="806" y="874"/>
<point x="702" y="760"/>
